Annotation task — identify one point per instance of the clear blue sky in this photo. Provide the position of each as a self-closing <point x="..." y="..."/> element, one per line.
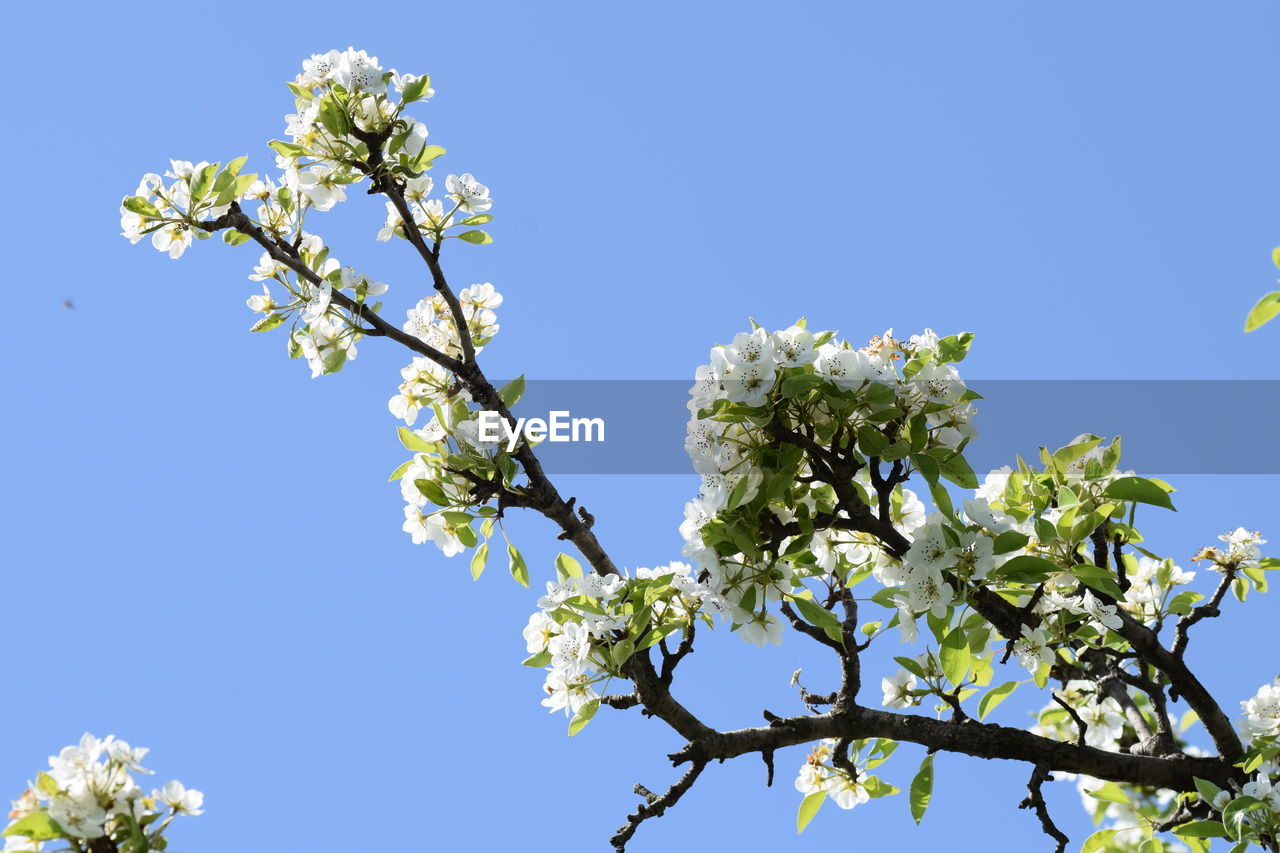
<point x="201" y="554"/>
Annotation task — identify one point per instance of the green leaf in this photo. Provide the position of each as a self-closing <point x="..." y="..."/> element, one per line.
<point x="922" y="788"/>
<point x="400" y="471"/>
<point x="1233" y="815"/>
<point x="808" y="808"/>
<point x="425" y="156"/>
<point x="1140" y="490"/>
<point x="801" y="384"/>
<point x="478" y="561"/>
<point x="1025" y="569"/>
<point x="412" y="441"/>
<point x="475" y="235"/>
<point x="45" y="784"/>
<point x="37" y="826"/>
<point x="415" y="90"/>
<point x="815" y="614"/>
<point x="584" y="715"/>
<point x="567" y="567"/>
<point x="201" y="182"/>
<point x="1264" y="312"/>
<point x="954" y="467"/>
<point x="1098" y="841"/>
<point x="540" y="659"/>
<point x="519" y="571"/>
<point x="1201" y="829"/>
<point x="1110" y="792"/>
<point x="478" y="219"/>
<point x="267" y="323"/>
<point x="953" y="348"/>
<point x="138" y="204"/>
<point x="234" y="238"/>
<point x="512" y="391"/>
<point x="288" y="149"/>
<point x="433" y="492"/>
<point x="955" y="656"/>
<point x="1097" y="579"/>
<point x="994" y="697"/>
<point x="1010" y="540"/>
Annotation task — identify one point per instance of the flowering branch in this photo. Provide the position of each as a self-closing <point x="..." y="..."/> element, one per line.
<point x="806" y="444"/>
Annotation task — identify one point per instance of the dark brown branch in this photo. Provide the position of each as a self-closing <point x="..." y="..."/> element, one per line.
<point x="655" y="806"/>
<point x="1209" y="610"/>
<point x="1035" y="801"/>
<point x="542" y="494"/>
<point x="1081" y="725"/>
<point x="981" y="740"/>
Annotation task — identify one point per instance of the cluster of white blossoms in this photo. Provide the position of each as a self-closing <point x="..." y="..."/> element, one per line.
<point x="89" y="792"/>
<point x="1252" y="809"/>
<point x="849" y="784"/>
<point x="432" y="322"/>
<point x="344" y="102"/>
<point x="1262" y="712"/>
<point x="1241" y="551"/>
<point x="587" y="626"/>
<point x="859" y="387"/>
<point x="199" y="191"/>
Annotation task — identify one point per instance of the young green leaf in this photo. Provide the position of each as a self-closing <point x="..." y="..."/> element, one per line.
<point x="1139" y="490"/>
<point x="1263" y="312"/>
<point x="808" y="808"/>
<point x="922" y="788"/>
<point x="478" y="561"/>
<point x="519" y="571"/>
<point x="584" y="715"/>
<point x="994" y="697"/>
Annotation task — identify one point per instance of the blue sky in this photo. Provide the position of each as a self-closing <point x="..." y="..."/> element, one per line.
<point x="202" y="554"/>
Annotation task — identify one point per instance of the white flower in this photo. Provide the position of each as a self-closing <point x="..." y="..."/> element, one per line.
<point x="753" y="347"/>
<point x="1032" y="649"/>
<point x="471" y="195"/>
<point x="431" y="527"/>
<point x="318" y="303"/>
<point x="793" y="347"/>
<point x="906" y="620"/>
<point x="1104" y="614"/>
<point x="897" y="690"/>
<point x="570" y="648"/>
<point x="129" y="758"/>
<point x="759" y="628"/>
<point x="811" y="780"/>
<point x="352" y="69"/>
<point x="975" y="557"/>
<point x="847" y="792"/>
<point x="992" y="488"/>
<point x="846" y="368"/>
<point x="261" y="303"/>
<point x="1262" y="712"/>
<point x="317" y="184"/>
<point x="173" y="238"/>
<point x="744" y="381"/>
<point x="539" y="631"/>
<point x="1242" y="546"/>
<point x="938" y="383"/>
<point x="1104" y="723"/>
<point x="567" y="692"/>
<point x="176" y="796"/>
<point x="77" y="811"/>
<point x="926" y="590"/>
<point x="931" y="549"/>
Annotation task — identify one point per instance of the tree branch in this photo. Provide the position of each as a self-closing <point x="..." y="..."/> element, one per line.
<point x="655" y="806"/>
